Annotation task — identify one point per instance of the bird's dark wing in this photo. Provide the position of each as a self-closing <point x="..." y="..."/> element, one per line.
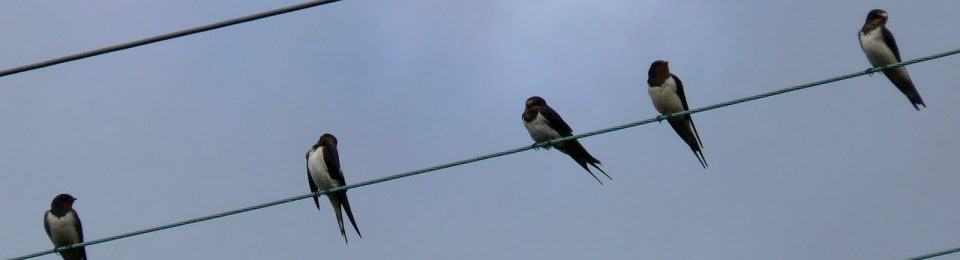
<point x="79" y="225"/>
<point x="46" y="225"/>
<point x="555" y="121"/>
<point x="83" y="251"/>
<point x="891" y="42"/>
<point x="683" y="98"/>
<point x="332" y="159"/>
<point x="313" y="187"/>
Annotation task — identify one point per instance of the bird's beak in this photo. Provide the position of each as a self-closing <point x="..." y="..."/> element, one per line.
<point x="883" y="17"/>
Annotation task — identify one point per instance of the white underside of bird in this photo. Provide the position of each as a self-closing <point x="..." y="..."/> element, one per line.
<point x="665" y="98"/>
<point x="540" y="130"/>
<point x="876" y="48"/>
<point x="63" y="230"/>
<point x="878" y="53"/>
<point x="319" y="172"/>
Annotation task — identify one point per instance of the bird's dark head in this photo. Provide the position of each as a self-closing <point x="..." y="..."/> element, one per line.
<point x="62" y="201"/>
<point x="659" y="69"/>
<point x="327" y="139"/>
<point x="536" y="101"/>
<point x="877" y="17"/>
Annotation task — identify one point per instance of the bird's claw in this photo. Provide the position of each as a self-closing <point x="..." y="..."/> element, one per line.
<point x="660" y="119"/>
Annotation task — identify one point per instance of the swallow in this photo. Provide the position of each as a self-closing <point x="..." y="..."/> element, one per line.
<point x="666" y="91"/>
<point x="881" y="49"/>
<point x="63" y="227"/>
<point x="544" y="124"/>
<point x="323" y="173"/>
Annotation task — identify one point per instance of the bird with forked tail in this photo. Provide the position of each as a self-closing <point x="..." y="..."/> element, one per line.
<point x="545" y="124"/>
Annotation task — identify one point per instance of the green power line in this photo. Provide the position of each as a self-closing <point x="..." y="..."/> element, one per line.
<point x="941" y="253"/>
<point x="503" y="153"/>
<point x="164" y="37"/>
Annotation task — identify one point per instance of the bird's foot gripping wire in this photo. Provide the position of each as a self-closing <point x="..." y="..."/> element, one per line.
<point x="537" y="146"/>
<point x="660" y="118"/>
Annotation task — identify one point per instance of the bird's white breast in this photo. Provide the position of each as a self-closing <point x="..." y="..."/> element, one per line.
<point x="63" y="230"/>
<point x="665" y="98"/>
<point x="876" y="49"/>
<point x="319" y="172"/>
<point x="540" y="130"/>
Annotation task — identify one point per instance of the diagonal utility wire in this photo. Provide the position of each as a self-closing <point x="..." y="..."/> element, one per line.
<point x="164" y="37"/>
<point x="937" y="254"/>
<point x="494" y="155"/>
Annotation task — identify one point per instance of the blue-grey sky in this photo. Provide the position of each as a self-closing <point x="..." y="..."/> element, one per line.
<point x="221" y="120"/>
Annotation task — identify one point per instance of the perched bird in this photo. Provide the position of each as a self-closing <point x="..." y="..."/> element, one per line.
<point x="666" y="91"/>
<point x="881" y="49"/>
<point x="544" y="124"/>
<point x="63" y="227"/>
<point x="323" y="173"/>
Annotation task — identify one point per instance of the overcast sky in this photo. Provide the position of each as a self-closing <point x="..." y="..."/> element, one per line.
<point x="221" y="120"/>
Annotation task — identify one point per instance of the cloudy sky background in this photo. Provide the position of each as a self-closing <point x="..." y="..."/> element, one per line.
<point x="221" y="120"/>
